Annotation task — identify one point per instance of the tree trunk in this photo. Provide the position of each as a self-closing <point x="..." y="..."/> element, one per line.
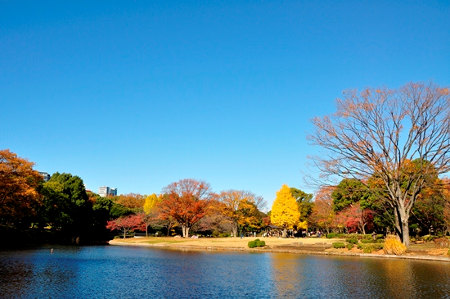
<point x="284" y="234"/>
<point x="234" y="230"/>
<point x="185" y="231"/>
<point x="146" y="230"/>
<point x="402" y="224"/>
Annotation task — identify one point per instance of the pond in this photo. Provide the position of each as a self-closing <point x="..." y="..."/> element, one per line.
<point x="133" y="272"/>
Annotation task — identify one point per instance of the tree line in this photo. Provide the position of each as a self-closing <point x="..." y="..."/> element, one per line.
<point x="385" y="152"/>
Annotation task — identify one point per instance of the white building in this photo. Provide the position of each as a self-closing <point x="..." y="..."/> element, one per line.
<point x="106" y="191"/>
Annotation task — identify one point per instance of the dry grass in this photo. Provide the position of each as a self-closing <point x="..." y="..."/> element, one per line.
<point x="219" y="242"/>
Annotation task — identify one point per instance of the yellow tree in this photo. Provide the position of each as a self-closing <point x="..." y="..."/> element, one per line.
<point x="285" y="212"/>
<point x="150" y="210"/>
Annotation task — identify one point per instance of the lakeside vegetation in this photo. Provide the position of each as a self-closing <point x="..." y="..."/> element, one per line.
<point x="384" y="190"/>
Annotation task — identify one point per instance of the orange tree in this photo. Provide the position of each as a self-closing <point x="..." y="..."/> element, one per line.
<point x="18" y="189"/>
<point x="186" y="201"/>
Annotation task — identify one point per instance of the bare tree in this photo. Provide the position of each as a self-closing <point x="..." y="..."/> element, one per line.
<point x="381" y="132"/>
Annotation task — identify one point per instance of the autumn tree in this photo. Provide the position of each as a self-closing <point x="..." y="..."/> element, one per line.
<point x="285" y="212"/>
<point x="150" y="210"/>
<point x="18" y="189"/>
<point x="377" y="131"/>
<point x="126" y="224"/>
<point x="185" y="201"/>
<point x="356" y="218"/>
<point x="131" y="201"/>
<point x="322" y="215"/>
<point x="240" y="207"/>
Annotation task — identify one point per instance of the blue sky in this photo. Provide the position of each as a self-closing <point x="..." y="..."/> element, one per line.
<point x="139" y="94"/>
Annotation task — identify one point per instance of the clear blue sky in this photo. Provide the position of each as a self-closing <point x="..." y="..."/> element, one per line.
<point x="139" y="94"/>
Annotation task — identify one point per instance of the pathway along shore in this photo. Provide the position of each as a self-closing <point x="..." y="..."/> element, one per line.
<point x="278" y="245"/>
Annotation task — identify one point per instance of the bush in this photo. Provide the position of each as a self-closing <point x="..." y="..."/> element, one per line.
<point x="331" y="235"/>
<point x="338" y="245"/>
<point x="256" y="243"/>
<point x="373" y="241"/>
<point x="349" y="246"/>
<point x="352" y="240"/>
<point x="393" y="246"/>
<point x="367" y="249"/>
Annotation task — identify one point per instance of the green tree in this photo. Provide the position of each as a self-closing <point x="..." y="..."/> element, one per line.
<point x="348" y="191"/>
<point x="304" y="202"/>
<point x="285" y="212"/>
<point x="67" y="207"/>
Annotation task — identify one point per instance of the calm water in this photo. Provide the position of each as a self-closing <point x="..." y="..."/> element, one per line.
<point x="128" y="272"/>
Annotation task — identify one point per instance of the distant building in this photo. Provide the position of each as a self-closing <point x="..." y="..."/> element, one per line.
<point x="106" y="191"/>
<point x="45" y="176"/>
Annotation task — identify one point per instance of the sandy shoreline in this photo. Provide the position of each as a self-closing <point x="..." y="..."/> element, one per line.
<point x="312" y="246"/>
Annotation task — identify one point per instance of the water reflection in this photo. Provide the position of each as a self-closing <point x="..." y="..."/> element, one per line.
<point x="287" y="274"/>
<point x="104" y="271"/>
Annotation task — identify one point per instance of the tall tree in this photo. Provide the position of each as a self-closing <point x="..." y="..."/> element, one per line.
<point x="377" y="131"/>
<point x="18" y="189"/>
<point x="185" y="201"/>
<point x="285" y="212"/>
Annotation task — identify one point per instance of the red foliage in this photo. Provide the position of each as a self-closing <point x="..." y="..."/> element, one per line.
<point x="186" y="201"/>
<point x="127" y="224"/>
<point x="356" y="219"/>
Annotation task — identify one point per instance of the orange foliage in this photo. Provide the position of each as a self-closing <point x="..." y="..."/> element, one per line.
<point x="131" y="200"/>
<point x="18" y="183"/>
<point x="186" y="201"/>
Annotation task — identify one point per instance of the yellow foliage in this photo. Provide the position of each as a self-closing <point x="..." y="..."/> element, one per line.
<point x="392" y="245"/>
<point x="285" y="209"/>
<point x="302" y="225"/>
<point x="150" y="203"/>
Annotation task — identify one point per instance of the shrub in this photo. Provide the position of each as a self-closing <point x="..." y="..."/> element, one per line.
<point x="360" y="246"/>
<point x="331" y="235"/>
<point x="256" y="243"/>
<point x="393" y="246"/>
<point x="338" y="245"/>
<point x="352" y="240"/>
<point x="367" y="249"/>
<point x="367" y="241"/>
<point x="349" y="246"/>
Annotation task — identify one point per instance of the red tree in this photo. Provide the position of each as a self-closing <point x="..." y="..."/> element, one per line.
<point x="185" y="201"/>
<point x="356" y="219"/>
<point x="127" y="224"/>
